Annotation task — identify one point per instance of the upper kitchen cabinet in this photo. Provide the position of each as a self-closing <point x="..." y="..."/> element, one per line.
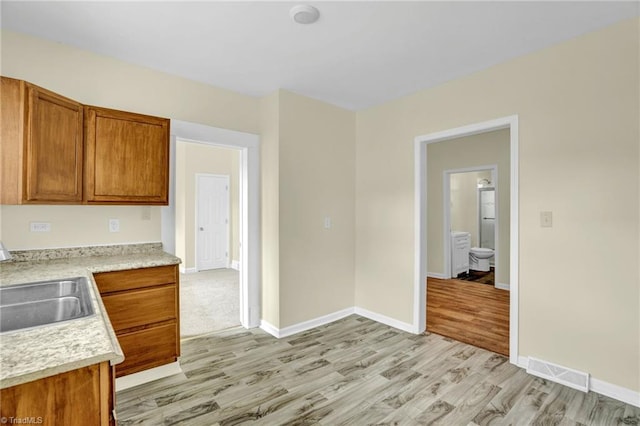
<point x="41" y="145"/>
<point x="126" y="158"/>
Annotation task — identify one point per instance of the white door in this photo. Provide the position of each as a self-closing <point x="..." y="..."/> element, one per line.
<point x="212" y="221"/>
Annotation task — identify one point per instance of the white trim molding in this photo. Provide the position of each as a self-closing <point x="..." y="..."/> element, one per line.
<point x="185" y="270"/>
<point x="502" y="286"/>
<point x="420" y="220"/>
<point x="270" y="328"/>
<point x="335" y="316"/>
<point x="305" y="325"/>
<point x="436" y="275"/>
<point x="619" y="393"/>
<point x="391" y="322"/>
<point x="235" y="265"/>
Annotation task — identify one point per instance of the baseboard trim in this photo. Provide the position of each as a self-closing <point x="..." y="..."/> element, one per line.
<point x="625" y="395"/>
<point x="184" y="270"/>
<point x="270" y="328"/>
<point x="502" y="286"/>
<point x="523" y="362"/>
<point x="147" y="376"/>
<point x="436" y="275"/>
<point x="391" y="322"/>
<point x="335" y="316"/>
<point x="235" y="265"/>
<point x="305" y="325"/>
<point x="616" y="392"/>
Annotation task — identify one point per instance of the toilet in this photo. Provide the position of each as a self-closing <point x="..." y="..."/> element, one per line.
<point x="479" y="258"/>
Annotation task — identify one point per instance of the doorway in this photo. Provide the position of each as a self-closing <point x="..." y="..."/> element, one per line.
<point x="471" y="207"/>
<point x="212" y="221"/>
<point x="422" y="212"/>
<point x="249" y="238"/>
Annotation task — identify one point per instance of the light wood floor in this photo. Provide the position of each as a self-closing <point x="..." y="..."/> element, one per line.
<point x="356" y="372"/>
<point x="477" y="314"/>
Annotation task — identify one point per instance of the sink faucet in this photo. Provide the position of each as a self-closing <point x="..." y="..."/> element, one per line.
<point x="4" y="253"/>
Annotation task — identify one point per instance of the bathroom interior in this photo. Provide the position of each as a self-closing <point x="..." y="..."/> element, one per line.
<point x="473" y="223"/>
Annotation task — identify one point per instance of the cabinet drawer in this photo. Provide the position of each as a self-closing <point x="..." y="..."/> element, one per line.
<point x="148" y="348"/>
<point x="137" y="308"/>
<point x="136" y="278"/>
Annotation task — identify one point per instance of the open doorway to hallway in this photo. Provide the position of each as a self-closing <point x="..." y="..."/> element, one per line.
<point x="207" y="236"/>
<point x="433" y="237"/>
<point x="461" y="171"/>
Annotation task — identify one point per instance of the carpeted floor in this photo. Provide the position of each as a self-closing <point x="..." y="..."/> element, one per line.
<point x="209" y="301"/>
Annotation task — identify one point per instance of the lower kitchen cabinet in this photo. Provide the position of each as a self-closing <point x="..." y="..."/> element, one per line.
<point x="143" y="308"/>
<point x="78" y="397"/>
<point x="147" y="348"/>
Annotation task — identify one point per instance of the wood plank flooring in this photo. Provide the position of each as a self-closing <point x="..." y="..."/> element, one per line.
<point x="356" y="372"/>
<point x="477" y="314"/>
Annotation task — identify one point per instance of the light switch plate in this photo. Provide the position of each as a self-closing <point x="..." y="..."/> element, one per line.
<point x="546" y="219"/>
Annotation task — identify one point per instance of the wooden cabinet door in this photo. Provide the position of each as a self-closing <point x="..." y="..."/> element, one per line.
<point x="41" y="145"/>
<point x="53" y="155"/>
<point x="75" y="398"/>
<point x="12" y="113"/>
<point x="127" y="157"/>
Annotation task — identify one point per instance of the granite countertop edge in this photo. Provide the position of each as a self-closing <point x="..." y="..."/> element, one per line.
<point x="70" y="345"/>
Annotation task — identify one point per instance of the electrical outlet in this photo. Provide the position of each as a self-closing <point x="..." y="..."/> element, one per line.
<point x="114" y="225"/>
<point x="546" y="219"/>
<point x="40" y="226"/>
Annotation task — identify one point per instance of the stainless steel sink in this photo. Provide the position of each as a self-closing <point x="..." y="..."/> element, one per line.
<point x="42" y="303"/>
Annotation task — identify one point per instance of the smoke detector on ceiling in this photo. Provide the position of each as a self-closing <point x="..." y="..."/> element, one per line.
<point x="304" y="14"/>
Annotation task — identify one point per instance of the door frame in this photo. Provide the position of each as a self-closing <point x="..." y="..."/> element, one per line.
<point x="446" y="222"/>
<point x="249" y="206"/>
<point x="420" y="220"/>
<point x="197" y="199"/>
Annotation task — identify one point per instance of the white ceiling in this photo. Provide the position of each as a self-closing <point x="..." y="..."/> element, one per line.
<point x="357" y="55"/>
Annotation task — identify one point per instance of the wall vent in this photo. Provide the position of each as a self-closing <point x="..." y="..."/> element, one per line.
<point x="566" y="376"/>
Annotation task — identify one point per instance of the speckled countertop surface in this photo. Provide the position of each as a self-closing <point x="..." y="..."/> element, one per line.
<point x="35" y="353"/>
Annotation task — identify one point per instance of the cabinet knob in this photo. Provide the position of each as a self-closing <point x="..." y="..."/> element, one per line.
<point x="201" y="228"/>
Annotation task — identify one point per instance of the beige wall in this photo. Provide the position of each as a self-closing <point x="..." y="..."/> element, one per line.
<point x="192" y="158"/>
<point x="270" y="206"/>
<point x="310" y="157"/>
<point x="464" y="203"/>
<point x="73" y="226"/>
<point x="471" y="151"/>
<point x="99" y="80"/>
<point x="317" y="180"/>
<point x="579" y="131"/>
